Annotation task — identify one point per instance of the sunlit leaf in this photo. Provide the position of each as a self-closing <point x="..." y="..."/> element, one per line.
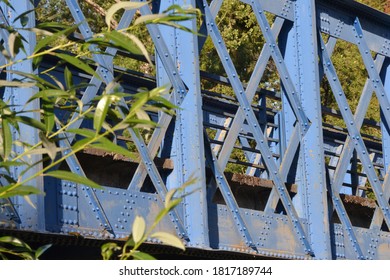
<point x="68" y="78"/>
<point x="7" y="138"/>
<point x="83" y="132"/>
<point x="169" y="239"/>
<point x="142" y="256"/>
<point x="121" y="5"/>
<point x="14" y="241"/>
<point x="48" y="115"/>
<point x="138" y="230"/>
<point x="49" y="146"/>
<point x="19" y="84"/>
<point x="124" y="42"/>
<point x="108" y="250"/>
<point x="101" y="112"/>
<point x="8" y="191"/>
<point x="69" y="176"/>
<point x="15" y="43"/>
<point x="41" y="250"/>
<point x="76" y="62"/>
<point x="49" y="39"/>
<point x="111" y="147"/>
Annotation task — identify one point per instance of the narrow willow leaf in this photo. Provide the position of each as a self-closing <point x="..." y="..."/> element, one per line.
<point x="41" y="250"/>
<point x="124" y="42"/>
<point x="82" y="144"/>
<point x="148" y="18"/>
<point x="83" y="132"/>
<point x="142" y="256"/>
<point x="6" y="192"/>
<point x="41" y="83"/>
<point x="19" y="84"/>
<point x="140" y="101"/>
<point x="110" y="147"/>
<point x="7" y="164"/>
<point x="78" y="63"/>
<point x="68" y="78"/>
<point x="7" y="138"/>
<point x="49" y="39"/>
<point x="101" y="112"/>
<point x="30" y="122"/>
<point x="169" y="239"/>
<point x="48" y="115"/>
<point x="15" y="242"/>
<point x="121" y="5"/>
<point x="169" y="196"/>
<point x="49" y="146"/>
<point x="69" y="176"/>
<point x="47" y="94"/>
<point x="138" y="230"/>
<point x="141" y="47"/>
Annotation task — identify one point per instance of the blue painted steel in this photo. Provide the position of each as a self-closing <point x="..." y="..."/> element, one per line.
<point x="189" y="159"/>
<point x="296" y="150"/>
<point x="313" y="189"/>
<point x="251" y="118"/>
<point x="148" y="162"/>
<point x="32" y="218"/>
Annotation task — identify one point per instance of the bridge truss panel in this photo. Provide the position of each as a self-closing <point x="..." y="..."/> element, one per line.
<point x="275" y="179"/>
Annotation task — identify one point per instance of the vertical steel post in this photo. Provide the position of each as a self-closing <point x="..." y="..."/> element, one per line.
<point x="32" y="218"/>
<point x="385" y="75"/>
<point x="187" y="150"/>
<point x="311" y="200"/>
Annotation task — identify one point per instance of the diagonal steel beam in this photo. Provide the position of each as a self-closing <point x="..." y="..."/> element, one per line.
<point x="291" y="91"/>
<point x="255" y="129"/>
<point x="359" y="146"/>
<point x="254" y="81"/>
<point x="360" y="112"/>
<point x="228" y="196"/>
<point x="147" y="160"/>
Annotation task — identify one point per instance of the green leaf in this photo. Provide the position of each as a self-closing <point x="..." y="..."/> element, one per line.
<point x="13" y="241"/>
<point x="48" y="115"/>
<point x="30" y="122"/>
<point x="169" y="196"/>
<point x="19" y="84"/>
<point x="78" y="63"/>
<point x="138" y="230"/>
<point x="41" y="83"/>
<point x="41" y="250"/>
<point x="15" y="43"/>
<point x="121" y="5"/>
<point x="7" y="138"/>
<point x="124" y="42"/>
<point x="83" y="132"/>
<point x="113" y="148"/>
<point x="49" y="39"/>
<point x="49" y="146"/>
<point x="6" y="192"/>
<point x="108" y="249"/>
<point x="137" y="255"/>
<point x="68" y="78"/>
<point x="69" y="176"/>
<point x="101" y="112"/>
<point x="168" y="239"/>
<point x="47" y="94"/>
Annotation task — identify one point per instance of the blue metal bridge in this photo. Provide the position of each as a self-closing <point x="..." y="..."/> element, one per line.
<point x="304" y="188"/>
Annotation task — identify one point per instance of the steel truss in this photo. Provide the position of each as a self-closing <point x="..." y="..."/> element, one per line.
<point x="303" y="170"/>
